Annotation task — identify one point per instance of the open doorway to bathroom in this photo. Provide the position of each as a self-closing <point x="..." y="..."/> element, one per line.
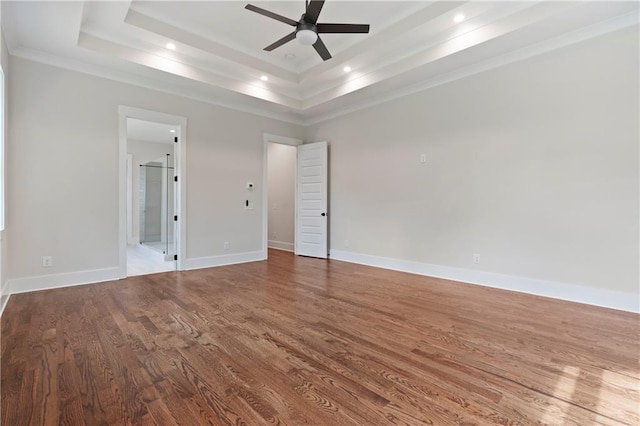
<point x="151" y="197"/>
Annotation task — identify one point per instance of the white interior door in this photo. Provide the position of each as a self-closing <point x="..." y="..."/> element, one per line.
<point x="311" y="200"/>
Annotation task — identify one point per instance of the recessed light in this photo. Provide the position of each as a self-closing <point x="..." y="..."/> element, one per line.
<point x="264" y="78"/>
<point x="172" y="131"/>
<point x="170" y="46"/>
<point x="458" y="18"/>
<point x="347" y="68"/>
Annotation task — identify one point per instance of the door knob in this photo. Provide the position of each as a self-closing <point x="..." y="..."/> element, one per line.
<point x="323" y="214"/>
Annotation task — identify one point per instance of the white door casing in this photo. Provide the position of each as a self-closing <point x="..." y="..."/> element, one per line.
<point x="130" y="239"/>
<point x="311" y="200"/>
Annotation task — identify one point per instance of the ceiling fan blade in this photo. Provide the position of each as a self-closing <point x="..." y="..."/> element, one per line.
<point x="313" y="11"/>
<point x="322" y="49"/>
<point x="271" y="15"/>
<point x="343" y="28"/>
<point x="280" y="42"/>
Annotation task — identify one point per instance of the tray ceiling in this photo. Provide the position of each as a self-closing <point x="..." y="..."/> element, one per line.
<point x="219" y="56"/>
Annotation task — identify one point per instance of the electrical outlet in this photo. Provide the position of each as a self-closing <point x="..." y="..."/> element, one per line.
<point x="47" y="261"/>
<point x="226" y="245"/>
<point x="423" y="158"/>
<point x="346" y="243"/>
<point x="476" y="258"/>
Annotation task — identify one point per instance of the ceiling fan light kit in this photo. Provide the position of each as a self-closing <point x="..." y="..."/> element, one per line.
<point x="308" y="28"/>
<point x="306" y="34"/>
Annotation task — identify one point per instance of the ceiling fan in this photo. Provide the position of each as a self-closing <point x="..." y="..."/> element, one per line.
<point x="308" y="27"/>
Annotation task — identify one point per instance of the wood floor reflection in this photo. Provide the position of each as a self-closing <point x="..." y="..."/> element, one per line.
<point x="305" y="341"/>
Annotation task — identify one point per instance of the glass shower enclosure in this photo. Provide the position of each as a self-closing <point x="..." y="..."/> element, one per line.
<point x="157" y="206"/>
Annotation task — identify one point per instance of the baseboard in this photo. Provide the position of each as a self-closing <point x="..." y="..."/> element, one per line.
<point x="227" y="259"/>
<point x="4" y="285"/>
<point x="571" y="292"/>
<point x="4" y="289"/>
<point x="279" y="245"/>
<point x="3" y="302"/>
<point x="46" y="282"/>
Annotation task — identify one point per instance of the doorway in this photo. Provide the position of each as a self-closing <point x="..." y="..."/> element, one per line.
<point x="152" y="145"/>
<point x="151" y="244"/>
<point x="279" y="186"/>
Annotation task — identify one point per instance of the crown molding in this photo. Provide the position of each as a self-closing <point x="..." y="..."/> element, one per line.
<point x="312" y="115"/>
<point x="188" y="38"/>
<point x="148" y="83"/>
<point x="540" y="48"/>
<point x="172" y="66"/>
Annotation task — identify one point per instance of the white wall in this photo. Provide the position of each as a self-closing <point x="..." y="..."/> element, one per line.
<point x="534" y="166"/>
<point x="64" y="196"/>
<point x="4" y="60"/>
<point x="142" y="152"/>
<point x="281" y="172"/>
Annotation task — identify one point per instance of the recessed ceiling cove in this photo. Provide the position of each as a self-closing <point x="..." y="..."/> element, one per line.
<point x="219" y="54"/>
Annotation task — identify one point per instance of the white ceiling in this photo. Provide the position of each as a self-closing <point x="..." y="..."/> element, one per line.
<point x="220" y="58"/>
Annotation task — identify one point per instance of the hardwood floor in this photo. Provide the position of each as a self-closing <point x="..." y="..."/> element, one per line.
<point x="304" y="341"/>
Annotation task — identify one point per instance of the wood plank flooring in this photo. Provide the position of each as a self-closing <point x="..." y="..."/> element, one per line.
<point x="301" y="341"/>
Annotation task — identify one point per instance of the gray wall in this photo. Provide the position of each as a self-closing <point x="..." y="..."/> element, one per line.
<point x="533" y="165"/>
<point x="63" y="203"/>
<point x="4" y="58"/>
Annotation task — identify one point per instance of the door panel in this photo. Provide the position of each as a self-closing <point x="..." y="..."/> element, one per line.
<point x="311" y="224"/>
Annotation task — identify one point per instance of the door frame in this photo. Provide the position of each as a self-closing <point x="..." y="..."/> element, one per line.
<point x="125" y="112"/>
<point x="129" y="209"/>
<point x="284" y="140"/>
